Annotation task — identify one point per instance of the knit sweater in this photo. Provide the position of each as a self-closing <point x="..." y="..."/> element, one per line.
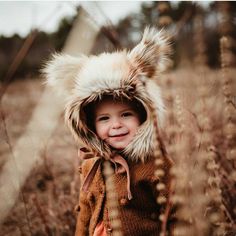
<point x="139" y="216"/>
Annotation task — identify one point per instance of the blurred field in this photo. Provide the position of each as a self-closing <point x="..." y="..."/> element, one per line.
<point x="46" y="202"/>
<point x="51" y="181"/>
<point x="200" y="132"/>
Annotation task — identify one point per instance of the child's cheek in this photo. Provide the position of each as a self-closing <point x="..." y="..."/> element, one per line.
<point x="102" y="131"/>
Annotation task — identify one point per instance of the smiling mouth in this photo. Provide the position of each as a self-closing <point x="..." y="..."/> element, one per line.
<point x="118" y="135"/>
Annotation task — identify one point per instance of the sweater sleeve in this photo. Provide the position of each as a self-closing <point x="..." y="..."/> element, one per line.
<point x="83" y="208"/>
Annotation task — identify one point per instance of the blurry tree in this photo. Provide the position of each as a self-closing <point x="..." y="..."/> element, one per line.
<point x="182" y="19"/>
<point x="200" y="56"/>
<point x="59" y="37"/>
<point x="226" y="27"/>
<point x="221" y="18"/>
<point x="42" y="47"/>
<point x="177" y="17"/>
<point x="197" y="29"/>
<point x="165" y="17"/>
<point x="9" y="47"/>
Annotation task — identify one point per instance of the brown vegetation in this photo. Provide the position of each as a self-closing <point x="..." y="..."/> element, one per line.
<point x="204" y="157"/>
<point x="199" y="135"/>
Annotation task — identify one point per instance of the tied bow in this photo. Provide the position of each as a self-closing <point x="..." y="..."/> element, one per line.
<point x="121" y="166"/>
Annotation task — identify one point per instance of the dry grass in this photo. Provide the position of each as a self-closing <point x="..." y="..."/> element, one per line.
<point x="197" y="139"/>
<point x="200" y="144"/>
<point x="46" y="201"/>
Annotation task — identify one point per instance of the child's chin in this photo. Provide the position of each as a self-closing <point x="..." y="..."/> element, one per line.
<point x="118" y="146"/>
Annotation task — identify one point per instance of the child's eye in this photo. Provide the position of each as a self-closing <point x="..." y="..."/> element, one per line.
<point x="126" y="114"/>
<point x="102" y="118"/>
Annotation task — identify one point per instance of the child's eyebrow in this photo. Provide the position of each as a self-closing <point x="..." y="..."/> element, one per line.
<point x="128" y="109"/>
<point x="107" y="114"/>
<point x="102" y="114"/>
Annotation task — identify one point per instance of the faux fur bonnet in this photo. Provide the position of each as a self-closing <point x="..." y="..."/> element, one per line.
<point x="130" y="74"/>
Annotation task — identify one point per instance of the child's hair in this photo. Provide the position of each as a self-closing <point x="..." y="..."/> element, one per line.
<point x="89" y="115"/>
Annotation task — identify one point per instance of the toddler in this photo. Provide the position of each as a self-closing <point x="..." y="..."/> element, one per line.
<point x="113" y="100"/>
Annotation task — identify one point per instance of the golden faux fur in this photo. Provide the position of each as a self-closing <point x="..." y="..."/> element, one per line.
<point x="131" y="74"/>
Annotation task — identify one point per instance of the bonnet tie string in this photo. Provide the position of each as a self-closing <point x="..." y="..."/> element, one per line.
<point x="115" y="159"/>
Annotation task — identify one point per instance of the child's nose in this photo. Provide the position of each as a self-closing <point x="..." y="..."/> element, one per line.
<point x="116" y="123"/>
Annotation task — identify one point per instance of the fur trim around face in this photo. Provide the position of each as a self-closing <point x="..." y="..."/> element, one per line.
<point x="132" y="74"/>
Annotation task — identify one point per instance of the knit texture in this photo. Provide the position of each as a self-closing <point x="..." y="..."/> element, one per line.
<point x="139" y="216"/>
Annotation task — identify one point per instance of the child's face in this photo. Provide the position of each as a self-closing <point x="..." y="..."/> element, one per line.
<point x="116" y="122"/>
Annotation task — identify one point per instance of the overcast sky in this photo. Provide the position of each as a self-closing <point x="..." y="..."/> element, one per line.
<point x="21" y="16"/>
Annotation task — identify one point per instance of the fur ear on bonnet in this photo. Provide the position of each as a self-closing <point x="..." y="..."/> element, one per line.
<point x="61" y="71"/>
<point x="151" y="55"/>
<point x="131" y="74"/>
